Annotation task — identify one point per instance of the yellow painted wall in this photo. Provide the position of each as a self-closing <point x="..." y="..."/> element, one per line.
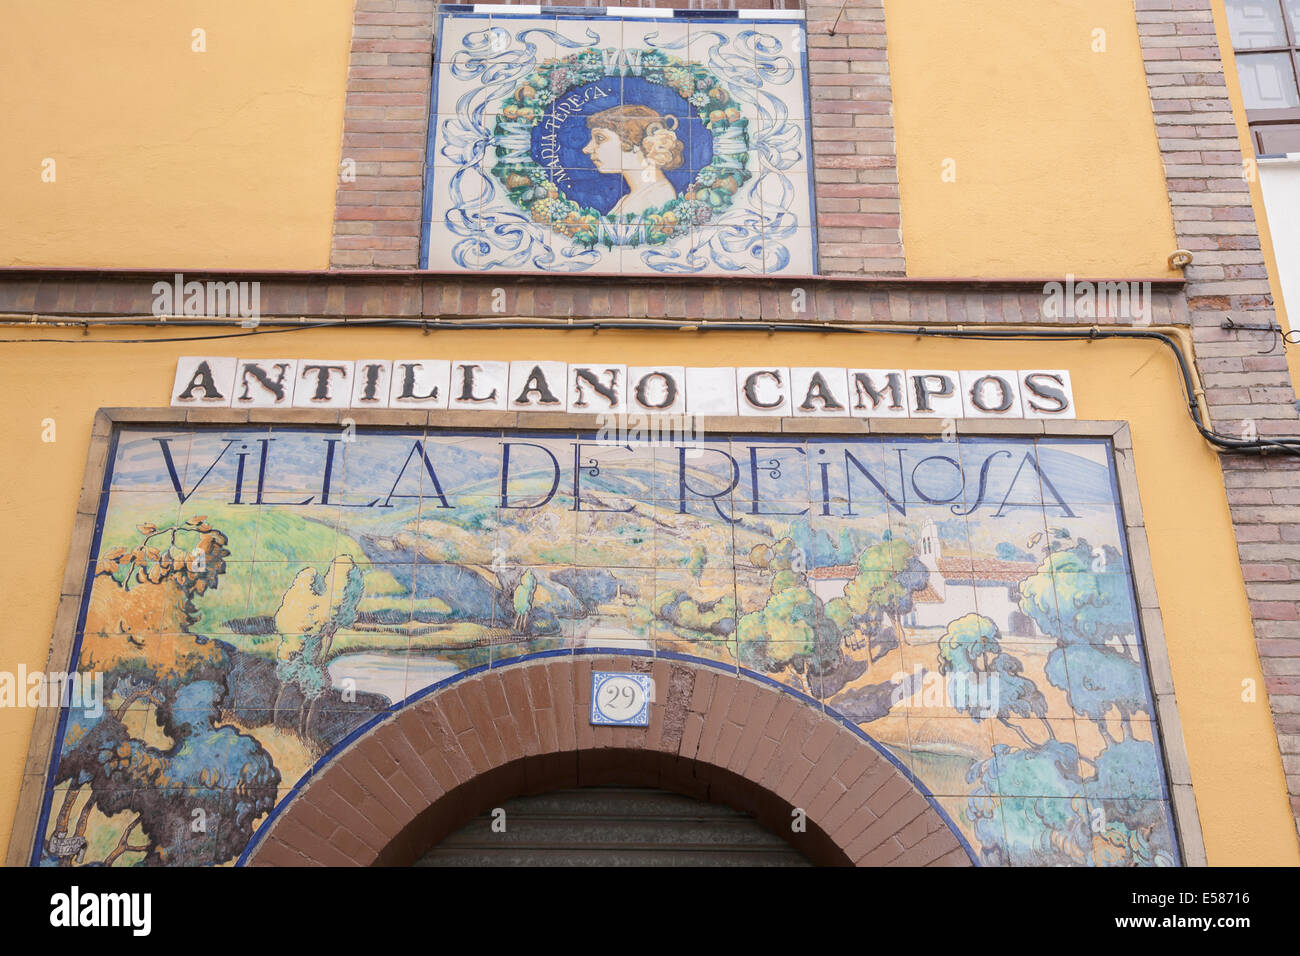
<point x="167" y="158"/>
<point x="1256" y="193"/>
<point x="1236" y="768"/>
<point x="1057" y="165"/>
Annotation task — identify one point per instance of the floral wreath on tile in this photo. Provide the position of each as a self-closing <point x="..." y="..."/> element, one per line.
<point x="488" y="227"/>
<point x="706" y="197"/>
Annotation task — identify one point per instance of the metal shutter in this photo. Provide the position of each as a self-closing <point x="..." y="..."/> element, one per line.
<point x="614" y="826"/>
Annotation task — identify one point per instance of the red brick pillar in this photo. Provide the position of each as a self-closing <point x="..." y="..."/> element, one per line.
<point x="385" y="126"/>
<point x="1247" y="393"/>
<point x="859" y="229"/>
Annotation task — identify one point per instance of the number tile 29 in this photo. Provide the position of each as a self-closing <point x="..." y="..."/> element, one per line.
<point x="621" y="699"/>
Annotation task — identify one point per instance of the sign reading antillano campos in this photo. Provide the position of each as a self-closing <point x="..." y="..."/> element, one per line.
<point x="601" y="388"/>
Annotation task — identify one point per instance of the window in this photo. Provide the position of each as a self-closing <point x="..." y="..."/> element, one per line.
<point x="1266" y="38"/>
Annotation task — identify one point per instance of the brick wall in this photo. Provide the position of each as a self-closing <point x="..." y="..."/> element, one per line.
<point x="404" y="785"/>
<point x="1245" y="391"/>
<point x="377" y="216"/>
<point x="388" y="294"/>
<point x="385" y="122"/>
<point x="858" y="212"/>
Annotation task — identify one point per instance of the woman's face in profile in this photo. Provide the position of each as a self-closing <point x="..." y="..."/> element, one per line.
<point x="605" y="150"/>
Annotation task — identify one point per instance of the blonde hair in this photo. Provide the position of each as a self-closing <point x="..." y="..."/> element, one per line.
<point x="640" y="127"/>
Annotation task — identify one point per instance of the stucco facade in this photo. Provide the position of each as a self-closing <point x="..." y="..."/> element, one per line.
<point x="815" y="189"/>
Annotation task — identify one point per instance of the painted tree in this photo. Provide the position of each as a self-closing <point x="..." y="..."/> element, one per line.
<point x="143" y="600"/>
<point x="1089" y="610"/>
<point x="699" y="558"/>
<point x="1132" y="825"/>
<point x="313" y="610"/>
<point x="1049" y="814"/>
<point x="708" y="619"/>
<point x="1040" y="813"/>
<point x="985" y="681"/>
<point x="1079" y="596"/>
<point x="144" y="595"/>
<point x="89" y="739"/>
<point x="883" y="590"/>
<point x="1047" y="794"/>
<point x="195" y="802"/>
<point x="792" y="630"/>
<point x="523" y="599"/>
<point x="783" y="554"/>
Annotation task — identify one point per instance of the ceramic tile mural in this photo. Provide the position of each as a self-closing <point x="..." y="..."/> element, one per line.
<point x="598" y="144"/>
<point x="260" y="593"/>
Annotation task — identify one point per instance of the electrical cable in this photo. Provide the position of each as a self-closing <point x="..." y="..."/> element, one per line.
<point x="176" y="338"/>
<point x="1257" y="446"/>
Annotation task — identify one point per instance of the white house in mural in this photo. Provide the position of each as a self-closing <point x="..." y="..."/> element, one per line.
<point x="958" y="585"/>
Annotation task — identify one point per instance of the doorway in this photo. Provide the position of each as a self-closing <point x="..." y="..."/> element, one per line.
<point x="613" y="826"/>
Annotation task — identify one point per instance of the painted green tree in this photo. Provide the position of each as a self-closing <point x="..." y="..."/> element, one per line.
<point x="881" y="594"/>
<point x="313" y="610"/>
<point x="1048" y="794"/>
<point x="984" y="681"/>
<point x="703" y="620"/>
<point x="523" y="596"/>
<point x="1084" y="600"/>
<point x="699" y="558"/>
<point x="793" y="631"/>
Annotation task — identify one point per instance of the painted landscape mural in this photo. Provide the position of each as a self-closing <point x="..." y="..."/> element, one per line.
<point x="257" y="593"/>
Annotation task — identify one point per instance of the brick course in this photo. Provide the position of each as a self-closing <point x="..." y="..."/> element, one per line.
<point x="359" y="295"/>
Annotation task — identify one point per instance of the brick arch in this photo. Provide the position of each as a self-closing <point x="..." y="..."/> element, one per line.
<point x="522" y="727"/>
